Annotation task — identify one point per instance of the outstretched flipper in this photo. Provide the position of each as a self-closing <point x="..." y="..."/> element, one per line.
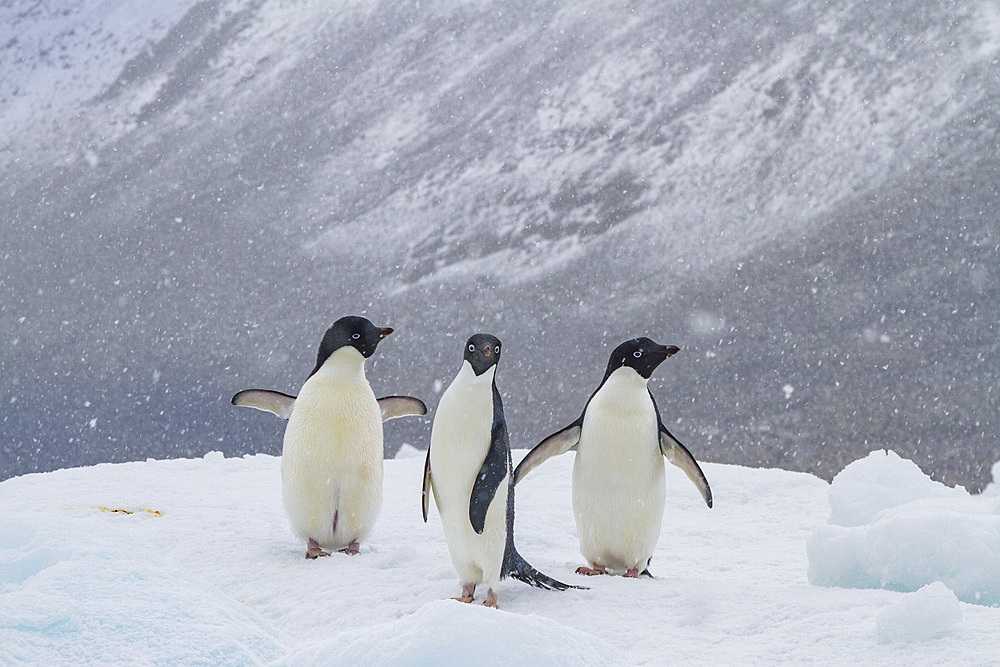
<point x="559" y="442"/>
<point x="274" y="402"/>
<point x="678" y="454"/>
<point x="393" y="407"/>
<point x="280" y="404"/>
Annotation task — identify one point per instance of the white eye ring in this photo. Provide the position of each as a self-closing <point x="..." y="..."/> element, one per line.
<point x="356" y="336"/>
<point x="637" y="354"/>
<point x="497" y="349"/>
<point x="472" y="348"/>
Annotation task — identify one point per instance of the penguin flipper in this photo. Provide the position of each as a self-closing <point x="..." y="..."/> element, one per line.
<point x="678" y="454"/>
<point x="274" y="402"/>
<point x="496" y="467"/>
<point x="393" y="407"/>
<point x="425" y="494"/>
<point x="559" y="442"/>
<point x="484" y="490"/>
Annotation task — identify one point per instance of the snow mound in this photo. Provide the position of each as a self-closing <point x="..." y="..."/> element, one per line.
<point x="446" y="632"/>
<point x="929" y="613"/>
<point x="892" y="527"/>
<point x="879" y="482"/>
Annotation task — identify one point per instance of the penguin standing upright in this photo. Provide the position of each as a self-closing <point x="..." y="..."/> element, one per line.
<point x="468" y="467"/>
<point x="618" y="475"/>
<point x="331" y="457"/>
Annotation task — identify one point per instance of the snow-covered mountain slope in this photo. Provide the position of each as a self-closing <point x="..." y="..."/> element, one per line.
<point x="58" y="56"/>
<point x="803" y="197"/>
<point x="205" y="568"/>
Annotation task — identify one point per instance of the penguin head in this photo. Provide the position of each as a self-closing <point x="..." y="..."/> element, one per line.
<point x="640" y="354"/>
<point x="350" y="331"/>
<point x="482" y="351"/>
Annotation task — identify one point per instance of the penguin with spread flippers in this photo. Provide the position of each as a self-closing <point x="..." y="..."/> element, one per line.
<point x="468" y="468"/>
<point x="618" y="474"/>
<point x="331" y="457"/>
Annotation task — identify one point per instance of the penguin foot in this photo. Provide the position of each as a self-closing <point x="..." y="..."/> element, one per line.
<point x="352" y="549"/>
<point x="491" y="598"/>
<point x="591" y="571"/>
<point x="315" y="551"/>
<point x="467" y="592"/>
<point x="632" y="573"/>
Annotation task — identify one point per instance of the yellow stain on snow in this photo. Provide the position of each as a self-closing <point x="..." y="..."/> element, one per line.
<point x="119" y="510"/>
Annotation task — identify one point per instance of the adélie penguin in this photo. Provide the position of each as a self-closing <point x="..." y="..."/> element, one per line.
<point x="331" y="457"/>
<point x="468" y="467"/>
<point x="618" y="474"/>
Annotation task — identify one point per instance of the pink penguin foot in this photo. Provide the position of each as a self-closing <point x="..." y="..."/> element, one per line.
<point x="314" y="550"/>
<point x="632" y="573"/>
<point x="467" y="592"/>
<point x="351" y="549"/>
<point x="591" y="571"/>
<point x="491" y="598"/>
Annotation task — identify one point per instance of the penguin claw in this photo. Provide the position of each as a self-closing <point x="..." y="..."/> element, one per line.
<point x="352" y="549"/>
<point x="315" y="551"/>
<point x="491" y="599"/>
<point x="468" y="590"/>
<point x="591" y="571"/>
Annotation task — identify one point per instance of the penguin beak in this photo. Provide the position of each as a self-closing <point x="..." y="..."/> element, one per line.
<point x="487" y="350"/>
<point x="382" y="333"/>
<point x="671" y="350"/>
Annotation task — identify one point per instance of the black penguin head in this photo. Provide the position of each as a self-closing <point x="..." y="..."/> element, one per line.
<point x="482" y="351"/>
<point x="350" y="331"/>
<point x="640" y="354"/>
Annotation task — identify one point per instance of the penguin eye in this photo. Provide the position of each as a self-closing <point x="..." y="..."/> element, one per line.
<point x="637" y="354"/>
<point x="472" y="348"/>
<point x="497" y="349"/>
<point x="356" y="336"/>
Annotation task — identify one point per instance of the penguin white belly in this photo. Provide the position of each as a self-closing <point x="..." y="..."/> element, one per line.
<point x="618" y="475"/>
<point x="460" y="439"/>
<point x="331" y="460"/>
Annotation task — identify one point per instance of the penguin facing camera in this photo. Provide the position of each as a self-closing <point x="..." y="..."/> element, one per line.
<point x="618" y="474"/>
<point x="468" y="467"/>
<point x="331" y="455"/>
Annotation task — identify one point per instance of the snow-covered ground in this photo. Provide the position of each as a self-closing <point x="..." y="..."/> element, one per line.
<point x="205" y="569"/>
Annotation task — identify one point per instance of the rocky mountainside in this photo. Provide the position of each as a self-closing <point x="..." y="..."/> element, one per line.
<point x="803" y="197"/>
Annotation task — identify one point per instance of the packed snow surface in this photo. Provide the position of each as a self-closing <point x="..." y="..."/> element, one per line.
<point x="183" y="561"/>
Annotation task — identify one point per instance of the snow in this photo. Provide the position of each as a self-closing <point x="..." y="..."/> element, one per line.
<point x="930" y="612"/>
<point x="892" y="527"/>
<point x="879" y="482"/>
<point x="444" y="632"/>
<point x="205" y="569"/>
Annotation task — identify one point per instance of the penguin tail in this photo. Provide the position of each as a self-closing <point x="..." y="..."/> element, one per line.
<point x="517" y="568"/>
<point x="514" y="564"/>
